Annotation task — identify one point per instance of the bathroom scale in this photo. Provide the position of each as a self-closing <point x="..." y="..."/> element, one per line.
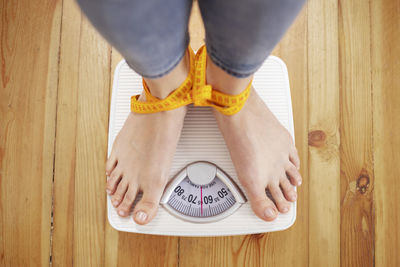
<point x="203" y="196"/>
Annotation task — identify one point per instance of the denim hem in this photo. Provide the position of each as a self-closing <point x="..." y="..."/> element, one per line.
<point x="220" y="63"/>
<point x="168" y="69"/>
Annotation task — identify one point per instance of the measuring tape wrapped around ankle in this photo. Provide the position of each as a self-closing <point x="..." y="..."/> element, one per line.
<point x="204" y="95"/>
<point x="178" y="98"/>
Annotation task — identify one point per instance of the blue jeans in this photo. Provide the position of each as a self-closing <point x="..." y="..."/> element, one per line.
<point x="152" y="35"/>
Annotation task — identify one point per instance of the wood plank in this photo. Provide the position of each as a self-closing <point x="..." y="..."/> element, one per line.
<point x="82" y="116"/>
<point x="357" y="216"/>
<point x="64" y="169"/>
<point x="282" y="248"/>
<point x="29" y="47"/>
<point x="385" y="47"/>
<point x="323" y="111"/>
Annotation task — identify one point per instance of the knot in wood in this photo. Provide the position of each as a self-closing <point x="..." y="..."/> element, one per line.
<point x="316" y="138"/>
<point x="362" y="182"/>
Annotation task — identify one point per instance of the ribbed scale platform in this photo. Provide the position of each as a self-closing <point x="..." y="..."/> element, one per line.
<point x="201" y="140"/>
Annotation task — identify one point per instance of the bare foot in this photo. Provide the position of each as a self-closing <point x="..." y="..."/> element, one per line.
<point x="261" y="149"/>
<point x="143" y="151"/>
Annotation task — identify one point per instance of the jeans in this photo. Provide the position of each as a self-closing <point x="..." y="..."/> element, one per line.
<point x="152" y="35"/>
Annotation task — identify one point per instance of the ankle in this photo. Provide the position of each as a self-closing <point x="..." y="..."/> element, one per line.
<point x="163" y="86"/>
<point x="223" y="82"/>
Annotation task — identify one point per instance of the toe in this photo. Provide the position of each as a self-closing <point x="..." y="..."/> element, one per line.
<point x="262" y="206"/>
<point x="113" y="181"/>
<point x="294" y="158"/>
<point x="146" y="208"/>
<point x="294" y="175"/>
<point x="119" y="193"/>
<point x="288" y="189"/>
<point x="111" y="163"/>
<point x="276" y="192"/>
<point x="126" y="204"/>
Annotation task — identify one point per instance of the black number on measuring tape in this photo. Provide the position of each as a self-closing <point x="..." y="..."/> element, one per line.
<point x="192" y="199"/>
<point x="179" y="191"/>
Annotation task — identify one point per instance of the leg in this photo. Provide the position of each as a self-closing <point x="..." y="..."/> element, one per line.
<point x="150" y="35"/>
<point x="239" y="37"/>
<point x="153" y="38"/>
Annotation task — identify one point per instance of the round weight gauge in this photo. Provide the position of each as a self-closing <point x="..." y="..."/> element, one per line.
<point x="202" y="193"/>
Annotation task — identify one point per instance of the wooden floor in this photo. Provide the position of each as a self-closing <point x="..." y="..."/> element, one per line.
<point x="56" y="71"/>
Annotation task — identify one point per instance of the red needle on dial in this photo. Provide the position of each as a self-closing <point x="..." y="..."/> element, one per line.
<point x="201" y="198"/>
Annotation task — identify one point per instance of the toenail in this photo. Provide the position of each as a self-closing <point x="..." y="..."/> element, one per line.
<point x="108" y="191"/>
<point x="115" y="203"/>
<point x="269" y="213"/>
<point x="285" y="209"/>
<point x="141" y="216"/>
<point x="293" y="196"/>
<point x="121" y="213"/>
<point x="299" y="183"/>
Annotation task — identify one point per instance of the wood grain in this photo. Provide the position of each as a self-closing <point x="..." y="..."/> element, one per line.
<point x="30" y="33"/>
<point x="65" y="158"/>
<point x="324" y="137"/>
<point x="82" y="119"/>
<point x="356" y="159"/>
<point x="385" y="47"/>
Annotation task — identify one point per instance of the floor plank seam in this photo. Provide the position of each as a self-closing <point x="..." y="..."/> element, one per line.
<point x="110" y="83"/>
<point x="372" y="135"/>
<point x="307" y="122"/>
<point x="76" y="129"/>
<point x="308" y="128"/>
<point x="55" y="138"/>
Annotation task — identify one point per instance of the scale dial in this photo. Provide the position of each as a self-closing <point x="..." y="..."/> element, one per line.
<point x="202" y="193"/>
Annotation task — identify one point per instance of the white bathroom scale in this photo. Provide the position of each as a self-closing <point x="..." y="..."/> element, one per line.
<point x="203" y="196"/>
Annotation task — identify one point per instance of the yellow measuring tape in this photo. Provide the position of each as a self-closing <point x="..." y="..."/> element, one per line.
<point x="193" y="90"/>
<point x="179" y="97"/>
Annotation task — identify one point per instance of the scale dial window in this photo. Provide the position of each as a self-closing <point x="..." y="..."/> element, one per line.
<point x="189" y="199"/>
